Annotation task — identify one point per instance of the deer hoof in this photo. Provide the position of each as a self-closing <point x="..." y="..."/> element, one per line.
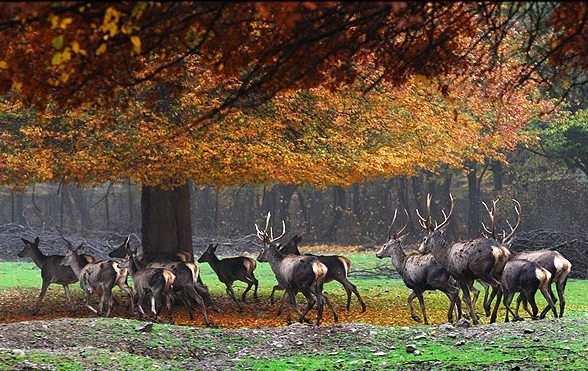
<point x="416" y="318"/>
<point x="517" y="319"/>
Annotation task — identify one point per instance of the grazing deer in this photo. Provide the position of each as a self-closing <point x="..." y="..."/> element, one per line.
<point x="229" y="270"/>
<point x="559" y="269"/>
<point x="305" y="274"/>
<point x="465" y="261"/>
<point x="338" y="268"/>
<point x="420" y="273"/>
<point x="100" y="276"/>
<point x="526" y="277"/>
<point x="158" y="282"/>
<point x="185" y="285"/>
<point x="51" y="270"/>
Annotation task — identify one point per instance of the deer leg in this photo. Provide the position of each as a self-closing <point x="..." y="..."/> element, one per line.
<point x="452" y="303"/>
<point x="249" y="283"/>
<point x="68" y="296"/>
<point x="203" y="291"/>
<point x="335" y="316"/>
<point x="127" y="290"/>
<point x="465" y="288"/>
<point x="423" y="309"/>
<point x="497" y="290"/>
<point x="413" y="315"/>
<point x="475" y="294"/>
<point x="488" y="302"/>
<point x="256" y="284"/>
<point x="508" y="296"/>
<point x="41" y="296"/>
<point x="87" y="301"/>
<point x="548" y="307"/>
<point x="231" y="294"/>
<point x="531" y="299"/>
<point x="311" y="303"/>
<point x="561" y="288"/>
<point x="350" y="286"/>
<point x="276" y="287"/>
<point x="547" y="292"/>
<point x="200" y="301"/>
<point x="282" y="302"/>
<point x="109" y="302"/>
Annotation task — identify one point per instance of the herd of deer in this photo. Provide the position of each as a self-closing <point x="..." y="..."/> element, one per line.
<point x="438" y="265"/>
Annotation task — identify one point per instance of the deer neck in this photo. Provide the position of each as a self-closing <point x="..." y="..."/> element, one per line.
<point x="133" y="266"/>
<point x="214" y="262"/>
<point x="398" y="258"/>
<point x="274" y="258"/>
<point x="38" y="258"/>
<point x="76" y="267"/>
<point x="440" y="251"/>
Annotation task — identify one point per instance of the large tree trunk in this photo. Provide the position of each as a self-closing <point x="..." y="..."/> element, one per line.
<point x="474" y="202"/>
<point x="166" y="224"/>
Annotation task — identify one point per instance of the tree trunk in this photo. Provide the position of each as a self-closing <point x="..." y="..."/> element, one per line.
<point x="131" y="202"/>
<point x="497" y="176"/>
<point x="166" y="223"/>
<point x="338" y="209"/>
<point x="474" y="202"/>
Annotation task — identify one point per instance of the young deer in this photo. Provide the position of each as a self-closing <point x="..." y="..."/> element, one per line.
<point x="526" y="277"/>
<point x="51" y="270"/>
<point x="229" y="270"/>
<point x="305" y="274"/>
<point x="158" y="282"/>
<point x="420" y="273"/>
<point x="338" y="268"/>
<point x="465" y="261"/>
<point x="100" y="276"/>
<point x="559" y="269"/>
<point x="185" y="285"/>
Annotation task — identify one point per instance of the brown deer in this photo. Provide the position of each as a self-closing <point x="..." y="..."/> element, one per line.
<point x="338" y="269"/>
<point x="465" y="261"/>
<point x="229" y="270"/>
<point x="100" y="276"/>
<point x="420" y="273"/>
<point x="51" y="270"/>
<point x="158" y="282"/>
<point x="526" y="277"/>
<point x="305" y="274"/>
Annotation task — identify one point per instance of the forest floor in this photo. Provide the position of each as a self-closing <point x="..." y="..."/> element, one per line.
<point x="58" y="338"/>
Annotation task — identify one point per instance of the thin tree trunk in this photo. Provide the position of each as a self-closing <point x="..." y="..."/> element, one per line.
<point x="497" y="176"/>
<point x="131" y="202"/>
<point x="338" y="208"/>
<point x="474" y="202"/>
<point x="166" y="223"/>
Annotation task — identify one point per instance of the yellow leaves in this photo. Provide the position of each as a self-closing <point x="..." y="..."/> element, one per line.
<point x="3" y="65"/>
<point x="136" y="41"/>
<point x="101" y="49"/>
<point x="61" y="57"/>
<point x="64" y="23"/>
<point x="57" y="23"/>
<point x="110" y="21"/>
<point x="75" y="46"/>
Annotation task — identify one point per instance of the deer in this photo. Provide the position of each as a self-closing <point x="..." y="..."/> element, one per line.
<point x="295" y="273"/>
<point x="229" y="270"/>
<point x="420" y="273"/>
<point x="100" y="276"/>
<point x="338" y="269"/>
<point x="526" y="277"/>
<point x="51" y="270"/>
<point x="178" y="257"/>
<point x="465" y="261"/>
<point x="158" y="282"/>
<point x="557" y="265"/>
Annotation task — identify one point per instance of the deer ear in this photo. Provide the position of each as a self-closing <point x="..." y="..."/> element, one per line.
<point x="37" y="240"/>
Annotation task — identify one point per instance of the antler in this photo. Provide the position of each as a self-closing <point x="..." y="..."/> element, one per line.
<point x="506" y="239"/>
<point x="264" y="236"/>
<point x="446" y="216"/>
<point x="490" y="233"/>
<point x="426" y="223"/>
<point x="395" y="235"/>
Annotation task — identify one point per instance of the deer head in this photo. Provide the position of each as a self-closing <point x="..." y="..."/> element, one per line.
<point x="30" y="248"/>
<point x="208" y="254"/>
<point x="72" y="255"/>
<point x="268" y="239"/>
<point x="435" y="230"/>
<point x="394" y="238"/>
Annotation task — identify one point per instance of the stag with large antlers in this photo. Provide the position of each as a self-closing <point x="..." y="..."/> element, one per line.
<point x="420" y="273"/>
<point x="305" y="274"/>
<point x="555" y="263"/>
<point x="51" y="270"/>
<point x="101" y="277"/>
<point x="466" y="261"/>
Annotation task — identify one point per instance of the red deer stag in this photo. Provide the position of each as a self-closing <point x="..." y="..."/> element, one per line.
<point x="305" y="274"/>
<point x="465" y="261"/>
<point x="420" y="273"/>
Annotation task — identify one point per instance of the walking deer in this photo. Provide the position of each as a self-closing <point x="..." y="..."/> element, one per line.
<point x="51" y="270"/>
<point x="100" y="276"/>
<point x="158" y="282"/>
<point x="420" y="273"/>
<point x="526" y="277"/>
<point x="229" y="270"/>
<point x="305" y="274"/>
<point x="337" y="270"/>
<point x="466" y="261"/>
